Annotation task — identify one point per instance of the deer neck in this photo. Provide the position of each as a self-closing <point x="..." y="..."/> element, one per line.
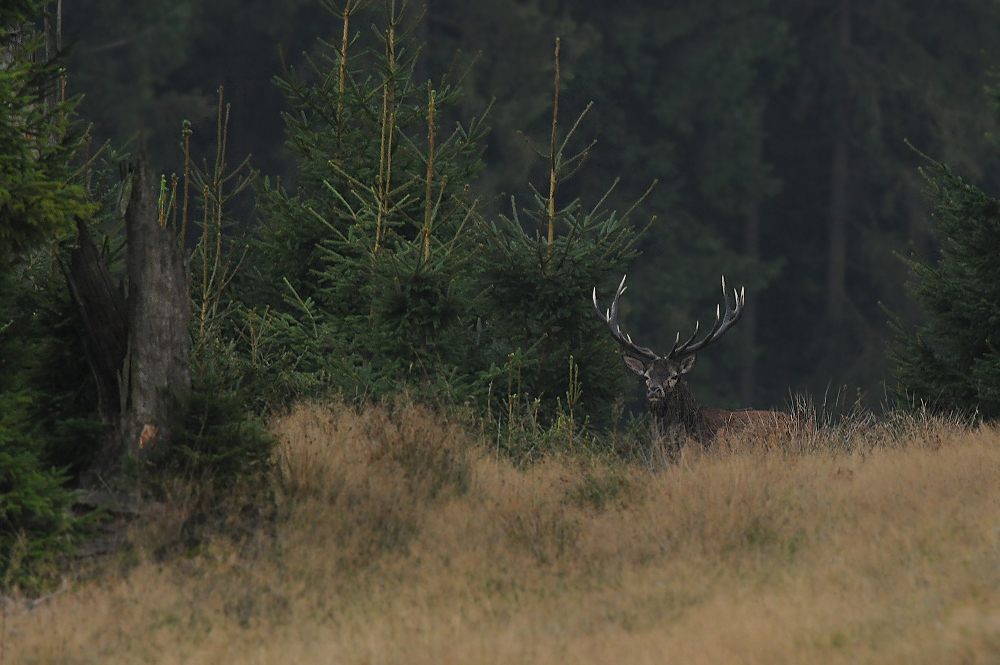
<point x="678" y="408"/>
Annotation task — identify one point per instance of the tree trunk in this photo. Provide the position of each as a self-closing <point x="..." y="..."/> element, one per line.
<point x="840" y="174"/>
<point x="159" y="315"/>
<point x="748" y="373"/>
<point x="139" y="349"/>
<point x="101" y="305"/>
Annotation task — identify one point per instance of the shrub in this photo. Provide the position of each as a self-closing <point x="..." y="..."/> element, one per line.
<point x="35" y="522"/>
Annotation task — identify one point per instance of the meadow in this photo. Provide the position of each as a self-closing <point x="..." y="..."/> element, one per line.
<point x="400" y="535"/>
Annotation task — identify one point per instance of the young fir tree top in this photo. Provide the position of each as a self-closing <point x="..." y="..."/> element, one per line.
<point x="363" y="132"/>
<point x="367" y="253"/>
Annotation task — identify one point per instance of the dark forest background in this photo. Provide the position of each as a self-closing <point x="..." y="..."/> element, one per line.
<point x="775" y="128"/>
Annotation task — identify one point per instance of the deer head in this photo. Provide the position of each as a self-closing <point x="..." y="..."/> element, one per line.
<point x="663" y="373"/>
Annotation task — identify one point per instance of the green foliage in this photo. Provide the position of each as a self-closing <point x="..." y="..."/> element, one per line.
<point x="360" y="129"/>
<point x="47" y="425"/>
<point x="539" y="295"/>
<point x="35" y="522"/>
<point x="41" y="356"/>
<point x="953" y="362"/>
<point x="366" y="264"/>
<point x="37" y="141"/>
<point x="41" y="191"/>
<point x="48" y="429"/>
<point x="385" y="271"/>
<point x="217" y="441"/>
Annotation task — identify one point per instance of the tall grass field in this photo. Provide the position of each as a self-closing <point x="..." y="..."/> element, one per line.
<point x="394" y="535"/>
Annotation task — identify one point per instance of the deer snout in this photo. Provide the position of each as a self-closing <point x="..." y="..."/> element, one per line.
<point x="654" y="392"/>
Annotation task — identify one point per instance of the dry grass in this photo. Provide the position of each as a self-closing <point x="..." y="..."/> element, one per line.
<point x="397" y="540"/>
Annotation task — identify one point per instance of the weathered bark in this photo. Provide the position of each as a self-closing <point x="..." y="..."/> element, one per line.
<point x="159" y="315"/>
<point x="138" y="349"/>
<point x="101" y="305"/>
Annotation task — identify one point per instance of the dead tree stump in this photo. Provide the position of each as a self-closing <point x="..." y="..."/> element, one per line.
<point x="158" y="364"/>
<point x="139" y="347"/>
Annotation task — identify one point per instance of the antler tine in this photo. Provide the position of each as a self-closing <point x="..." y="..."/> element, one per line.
<point x="611" y="319"/>
<point x="677" y="341"/>
<point x="722" y="324"/>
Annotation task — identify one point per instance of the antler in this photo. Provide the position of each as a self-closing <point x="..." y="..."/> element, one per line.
<point x="722" y="324"/>
<point x="689" y="347"/>
<point x="611" y="318"/>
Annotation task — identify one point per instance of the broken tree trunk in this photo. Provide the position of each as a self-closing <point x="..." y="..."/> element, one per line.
<point x="157" y="370"/>
<point x="101" y="305"/>
<point x="138" y="348"/>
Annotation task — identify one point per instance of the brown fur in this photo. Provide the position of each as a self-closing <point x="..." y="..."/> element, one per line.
<point x="677" y="416"/>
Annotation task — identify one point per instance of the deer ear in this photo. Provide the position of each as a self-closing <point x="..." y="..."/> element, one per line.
<point x="635" y="365"/>
<point x="686" y="363"/>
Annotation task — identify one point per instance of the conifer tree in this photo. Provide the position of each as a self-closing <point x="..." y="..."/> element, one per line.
<point x="380" y="270"/>
<point x="539" y="273"/>
<point x="362" y="263"/>
<point x="37" y="140"/>
<point x="952" y="362"/>
<point x="38" y="201"/>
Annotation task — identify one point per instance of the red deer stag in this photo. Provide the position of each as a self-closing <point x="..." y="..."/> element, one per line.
<point x="676" y="414"/>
